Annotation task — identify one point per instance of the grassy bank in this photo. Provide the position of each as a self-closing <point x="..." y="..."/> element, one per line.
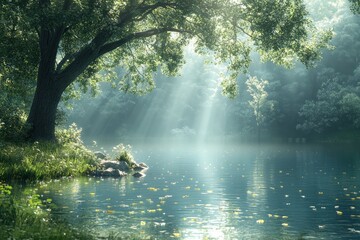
<point x="23" y="215"/>
<point x="46" y="160"/>
<point x="42" y="161"/>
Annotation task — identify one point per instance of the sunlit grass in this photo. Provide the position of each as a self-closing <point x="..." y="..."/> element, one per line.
<point x="39" y="161"/>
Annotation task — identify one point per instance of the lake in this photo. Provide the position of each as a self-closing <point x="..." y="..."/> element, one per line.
<point x="232" y="192"/>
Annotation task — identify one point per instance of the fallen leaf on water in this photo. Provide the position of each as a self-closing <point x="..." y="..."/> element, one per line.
<point x="177" y="235"/>
<point x="260" y="221"/>
<point x="339" y="213"/>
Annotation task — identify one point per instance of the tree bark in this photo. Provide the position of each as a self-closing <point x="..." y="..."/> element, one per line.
<point x="42" y="116"/>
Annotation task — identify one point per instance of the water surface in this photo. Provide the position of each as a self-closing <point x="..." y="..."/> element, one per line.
<point x="247" y="192"/>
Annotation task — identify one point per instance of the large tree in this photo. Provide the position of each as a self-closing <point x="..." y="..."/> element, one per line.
<point x="60" y="43"/>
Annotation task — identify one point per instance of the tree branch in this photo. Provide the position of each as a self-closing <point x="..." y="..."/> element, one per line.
<point x="113" y="45"/>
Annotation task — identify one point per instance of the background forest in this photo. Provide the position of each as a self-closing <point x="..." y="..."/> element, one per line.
<point x="317" y="103"/>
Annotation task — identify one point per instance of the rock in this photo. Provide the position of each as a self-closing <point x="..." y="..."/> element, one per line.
<point x="100" y="155"/>
<point x="122" y="174"/>
<point x="140" y="167"/>
<point x="110" y="172"/>
<point x="122" y="166"/>
<point x="143" y="165"/>
<point x="139" y="175"/>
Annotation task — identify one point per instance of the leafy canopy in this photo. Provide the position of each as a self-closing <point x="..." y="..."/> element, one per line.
<point x="142" y="35"/>
<point x="355" y="6"/>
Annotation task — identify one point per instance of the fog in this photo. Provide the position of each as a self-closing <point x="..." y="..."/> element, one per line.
<point x="294" y="105"/>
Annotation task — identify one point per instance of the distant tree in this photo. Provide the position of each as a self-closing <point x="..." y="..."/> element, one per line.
<point x="61" y="42"/>
<point x="259" y="100"/>
<point x="336" y="107"/>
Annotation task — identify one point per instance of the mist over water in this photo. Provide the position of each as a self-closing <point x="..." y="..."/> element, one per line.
<point x="247" y="192"/>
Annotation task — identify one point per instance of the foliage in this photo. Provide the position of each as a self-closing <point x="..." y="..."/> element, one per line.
<point x="336" y="106"/>
<point x="12" y="118"/>
<point x="258" y="94"/>
<point x="355" y="6"/>
<point x="42" y="160"/>
<point x="141" y="35"/>
<point x="123" y="153"/>
<point x="72" y="135"/>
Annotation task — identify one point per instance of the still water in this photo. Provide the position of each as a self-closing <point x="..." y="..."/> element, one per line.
<point x="248" y="192"/>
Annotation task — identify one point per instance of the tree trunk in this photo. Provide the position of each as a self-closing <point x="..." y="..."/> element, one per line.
<point x="42" y="114"/>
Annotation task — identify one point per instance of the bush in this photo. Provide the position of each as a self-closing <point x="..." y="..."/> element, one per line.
<point x="12" y="123"/>
<point x="123" y="153"/>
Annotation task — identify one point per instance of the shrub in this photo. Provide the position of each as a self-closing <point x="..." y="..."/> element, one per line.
<point x="123" y="153"/>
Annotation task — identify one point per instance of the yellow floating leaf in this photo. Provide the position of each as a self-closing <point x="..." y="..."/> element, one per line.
<point x="153" y="189"/>
<point x="260" y="221"/>
<point x="97" y="210"/>
<point x="92" y="194"/>
<point x="142" y="223"/>
<point x="177" y="235"/>
<point x="151" y="210"/>
<point x="109" y="211"/>
<point x="285" y="224"/>
<point x="339" y="213"/>
<point x="285" y="217"/>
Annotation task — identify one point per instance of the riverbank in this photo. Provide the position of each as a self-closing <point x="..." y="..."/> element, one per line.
<point x="44" y="161"/>
<point x="25" y="168"/>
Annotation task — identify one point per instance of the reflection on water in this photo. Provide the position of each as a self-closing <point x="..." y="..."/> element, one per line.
<point x="245" y="193"/>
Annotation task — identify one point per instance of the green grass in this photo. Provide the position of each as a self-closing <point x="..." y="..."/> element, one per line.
<point x="42" y="161"/>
